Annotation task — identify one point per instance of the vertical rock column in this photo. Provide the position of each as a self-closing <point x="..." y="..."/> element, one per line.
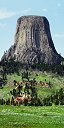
<point x="33" y="42"/>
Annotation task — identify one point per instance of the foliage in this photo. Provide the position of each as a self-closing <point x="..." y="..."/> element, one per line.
<point x="13" y="66"/>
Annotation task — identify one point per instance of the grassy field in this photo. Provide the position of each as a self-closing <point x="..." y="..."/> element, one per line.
<point x="31" y="117"/>
<point x="56" y="81"/>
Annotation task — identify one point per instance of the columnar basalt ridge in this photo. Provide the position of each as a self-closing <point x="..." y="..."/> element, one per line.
<point x="33" y="42"/>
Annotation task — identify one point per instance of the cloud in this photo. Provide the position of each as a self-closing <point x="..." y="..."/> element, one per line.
<point x="6" y="14"/>
<point x="25" y="11"/>
<point x="2" y="25"/>
<point x="59" y="35"/>
<point x="44" y="10"/>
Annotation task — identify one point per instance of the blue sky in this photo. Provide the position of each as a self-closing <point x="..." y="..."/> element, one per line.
<point x="11" y="10"/>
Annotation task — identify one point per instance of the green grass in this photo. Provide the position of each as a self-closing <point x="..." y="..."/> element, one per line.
<point x="31" y="117"/>
<point x="5" y="92"/>
<point x="56" y="81"/>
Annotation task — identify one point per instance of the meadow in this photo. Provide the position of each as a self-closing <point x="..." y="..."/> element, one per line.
<point x="31" y="117"/>
<point x="56" y="81"/>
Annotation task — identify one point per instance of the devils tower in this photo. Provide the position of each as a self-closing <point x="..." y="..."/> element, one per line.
<point x="33" y="42"/>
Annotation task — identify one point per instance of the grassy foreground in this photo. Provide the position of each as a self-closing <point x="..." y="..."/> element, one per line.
<point x="31" y="117"/>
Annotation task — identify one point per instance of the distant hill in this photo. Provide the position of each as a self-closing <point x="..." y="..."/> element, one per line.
<point x="33" y="42"/>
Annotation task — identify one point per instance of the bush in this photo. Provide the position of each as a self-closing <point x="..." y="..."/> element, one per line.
<point x="8" y="102"/>
<point x="2" y="101"/>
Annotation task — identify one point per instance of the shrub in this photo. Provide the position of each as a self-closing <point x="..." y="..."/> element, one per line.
<point x="8" y="101"/>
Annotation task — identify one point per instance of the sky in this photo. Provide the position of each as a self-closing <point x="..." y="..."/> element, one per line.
<point x="11" y="10"/>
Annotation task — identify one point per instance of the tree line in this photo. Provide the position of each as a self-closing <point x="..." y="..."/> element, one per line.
<point x="13" y="66"/>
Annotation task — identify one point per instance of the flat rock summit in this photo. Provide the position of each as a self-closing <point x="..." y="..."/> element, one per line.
<point x="33" y="42"/>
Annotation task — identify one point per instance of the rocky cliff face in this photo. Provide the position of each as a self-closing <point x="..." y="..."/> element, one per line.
<point x="33" y="42"/>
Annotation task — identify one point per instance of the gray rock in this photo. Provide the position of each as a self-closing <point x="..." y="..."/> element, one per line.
<point x="33" y="42"/>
